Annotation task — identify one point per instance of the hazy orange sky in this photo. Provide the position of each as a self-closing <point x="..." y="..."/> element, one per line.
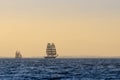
<point x="77" y="27"/>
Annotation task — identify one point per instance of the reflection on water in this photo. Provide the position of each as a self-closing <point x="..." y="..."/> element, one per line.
<point x="59" y="69"/>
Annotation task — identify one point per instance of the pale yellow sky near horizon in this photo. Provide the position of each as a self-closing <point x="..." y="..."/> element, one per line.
<point x="77" y="27"/>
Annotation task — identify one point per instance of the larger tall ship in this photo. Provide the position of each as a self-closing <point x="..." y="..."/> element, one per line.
<point x="18" y="55"/>
<point x="51" y="51"/>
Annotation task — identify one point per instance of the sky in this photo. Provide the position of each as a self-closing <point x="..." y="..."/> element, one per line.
<point x="79" y="28"/>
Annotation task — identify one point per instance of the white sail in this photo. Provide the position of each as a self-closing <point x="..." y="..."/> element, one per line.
<point x="51" y="50"/>
<point x="18" y="54"/>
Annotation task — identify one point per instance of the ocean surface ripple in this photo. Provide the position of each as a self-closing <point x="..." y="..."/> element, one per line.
<point x="60" y="69"/>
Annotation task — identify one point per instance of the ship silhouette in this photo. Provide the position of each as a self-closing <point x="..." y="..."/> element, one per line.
<point x="51" y="51"/>
<point x="18" y="55"/>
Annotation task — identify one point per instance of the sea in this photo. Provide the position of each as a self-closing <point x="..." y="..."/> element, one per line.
<point x="60" y="69"/>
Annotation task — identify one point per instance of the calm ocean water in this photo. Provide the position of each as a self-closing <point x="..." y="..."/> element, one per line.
<point x="59" y="69"/>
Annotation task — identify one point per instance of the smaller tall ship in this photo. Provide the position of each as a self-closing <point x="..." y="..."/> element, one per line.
<point x="51" y="51"/>
<point x="18" y="55"/>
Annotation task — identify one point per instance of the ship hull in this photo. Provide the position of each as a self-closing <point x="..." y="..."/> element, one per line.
<point x="48" y="57"/>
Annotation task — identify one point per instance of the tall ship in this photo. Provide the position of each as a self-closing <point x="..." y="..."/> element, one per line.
<point x="51" y="51"/>
<point x="18" y="55"/>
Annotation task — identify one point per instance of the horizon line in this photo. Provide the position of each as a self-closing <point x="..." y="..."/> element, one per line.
<point x="72" y="57"/>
